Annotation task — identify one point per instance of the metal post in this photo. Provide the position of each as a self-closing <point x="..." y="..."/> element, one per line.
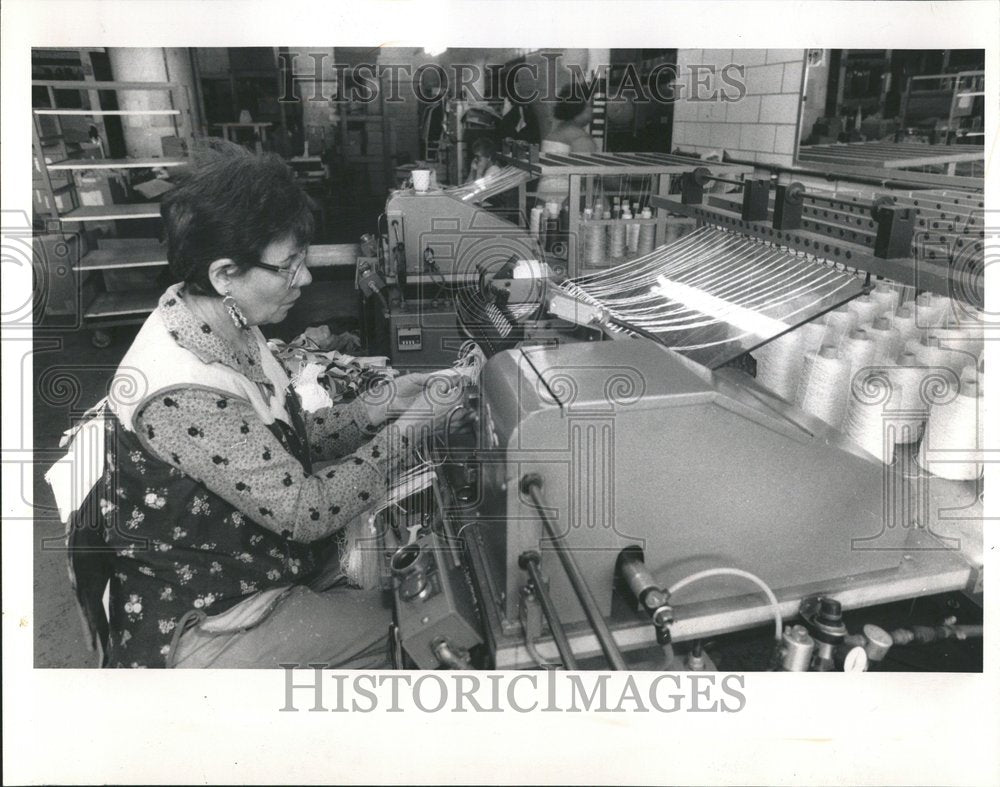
<point x="531" y="485"/>
<point x="530" y="561"/>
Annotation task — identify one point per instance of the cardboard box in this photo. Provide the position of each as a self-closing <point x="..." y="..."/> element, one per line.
<point x="173" y="147"/>
<point x="97" y="188"/>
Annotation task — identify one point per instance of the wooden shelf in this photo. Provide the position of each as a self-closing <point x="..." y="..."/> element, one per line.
<point x="120" y="304"/>
<point x="145" y="210"/>
<point x="116" y="163"/>
<point x="95" y="112"/>
<point x="109" y="259"/>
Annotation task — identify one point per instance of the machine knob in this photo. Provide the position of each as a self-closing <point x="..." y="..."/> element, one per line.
<point x="878" y="641"/>
<point x="795" y="192"/>
<point x="856" y="660"/>
<point x="830" y="612"/>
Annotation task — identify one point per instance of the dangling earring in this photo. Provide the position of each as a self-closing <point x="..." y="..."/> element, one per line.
<point x="235" y="314"/>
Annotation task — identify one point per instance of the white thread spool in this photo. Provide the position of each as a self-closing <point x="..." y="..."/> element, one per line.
<point x="839" y="323"/>
<point x="867" y="308"/>
<point x="631" y="233"/>
<point x="931" y="309"/>
<point x="810" y="336"/>
<point x="866" y="419"/>
<point x="886" y="339"/>
<point x="886" y="296"/>
<point x="647" y="234"/>
<point x="823" y="388"/>
<point x="952" y="443"/>
<point x="616" y="240"/>
<point x="594" y="241"/>
<point x="932" y="355"/>
<point x="779" y="364"/>
<point x="906" y="406"/>
<point x="858" y="350"/>
<point x="904" y="322"/>
<point x="958" y="339"/>
<point x="536" y="220"/>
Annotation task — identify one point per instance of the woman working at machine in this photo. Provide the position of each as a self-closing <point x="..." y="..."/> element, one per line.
<point x="484" y="152"/>
<point x="573" y="114"/>
<point x="222" y="526"/>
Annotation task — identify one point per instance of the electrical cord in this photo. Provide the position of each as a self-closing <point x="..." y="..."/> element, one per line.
<point x="735" y="572"/>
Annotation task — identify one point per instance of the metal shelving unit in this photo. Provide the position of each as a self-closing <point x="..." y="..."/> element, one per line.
<point x="594" y="176"/>
<point x="59" y="203"/>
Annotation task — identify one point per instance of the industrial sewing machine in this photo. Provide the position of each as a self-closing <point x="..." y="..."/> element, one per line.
<point x="609" y="469"/>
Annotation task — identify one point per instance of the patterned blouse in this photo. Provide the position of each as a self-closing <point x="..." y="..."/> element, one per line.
<point x="211" y="505"/>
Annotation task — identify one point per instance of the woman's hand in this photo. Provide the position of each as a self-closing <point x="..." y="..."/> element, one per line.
<point x="393" y="398"/>
<point x="437" y="409"/>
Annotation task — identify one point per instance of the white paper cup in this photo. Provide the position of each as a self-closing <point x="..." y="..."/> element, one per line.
<point x="421" y="179"/>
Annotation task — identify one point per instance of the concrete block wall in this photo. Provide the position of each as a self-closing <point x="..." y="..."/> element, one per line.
<point x="763" y="125"/>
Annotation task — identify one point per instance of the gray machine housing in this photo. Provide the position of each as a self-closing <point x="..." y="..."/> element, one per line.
<point x="462" y="237"/>
<point x="636" y="444"/>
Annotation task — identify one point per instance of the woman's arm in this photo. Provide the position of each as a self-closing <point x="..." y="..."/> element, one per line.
<point x="341" y="429"/>
<point x="220" y="442"/>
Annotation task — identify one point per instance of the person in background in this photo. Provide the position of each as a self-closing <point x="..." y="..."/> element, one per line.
<point x="223" y="521"/>
<point x="568" y="134"/>
<point x="484" y="151"/>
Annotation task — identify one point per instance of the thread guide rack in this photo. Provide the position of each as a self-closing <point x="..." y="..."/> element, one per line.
<point x="920" y="242"/>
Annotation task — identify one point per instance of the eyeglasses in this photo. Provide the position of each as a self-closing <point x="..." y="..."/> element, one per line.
<point x="291" y="271"/>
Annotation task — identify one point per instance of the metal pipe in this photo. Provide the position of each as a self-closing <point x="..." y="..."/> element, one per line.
<point x="531" y="484"/>
<point x="891" y="178"/>
<point x="530" y="561"/>
<point x="730" y="181"/>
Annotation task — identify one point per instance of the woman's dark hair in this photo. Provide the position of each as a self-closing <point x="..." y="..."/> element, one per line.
<point x="486" y="147"/>
<point x="231" y="204"/>
<point x="570" y="102"/>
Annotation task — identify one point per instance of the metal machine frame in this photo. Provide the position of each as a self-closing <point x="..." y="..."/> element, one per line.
<point x="874" y="237"/>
